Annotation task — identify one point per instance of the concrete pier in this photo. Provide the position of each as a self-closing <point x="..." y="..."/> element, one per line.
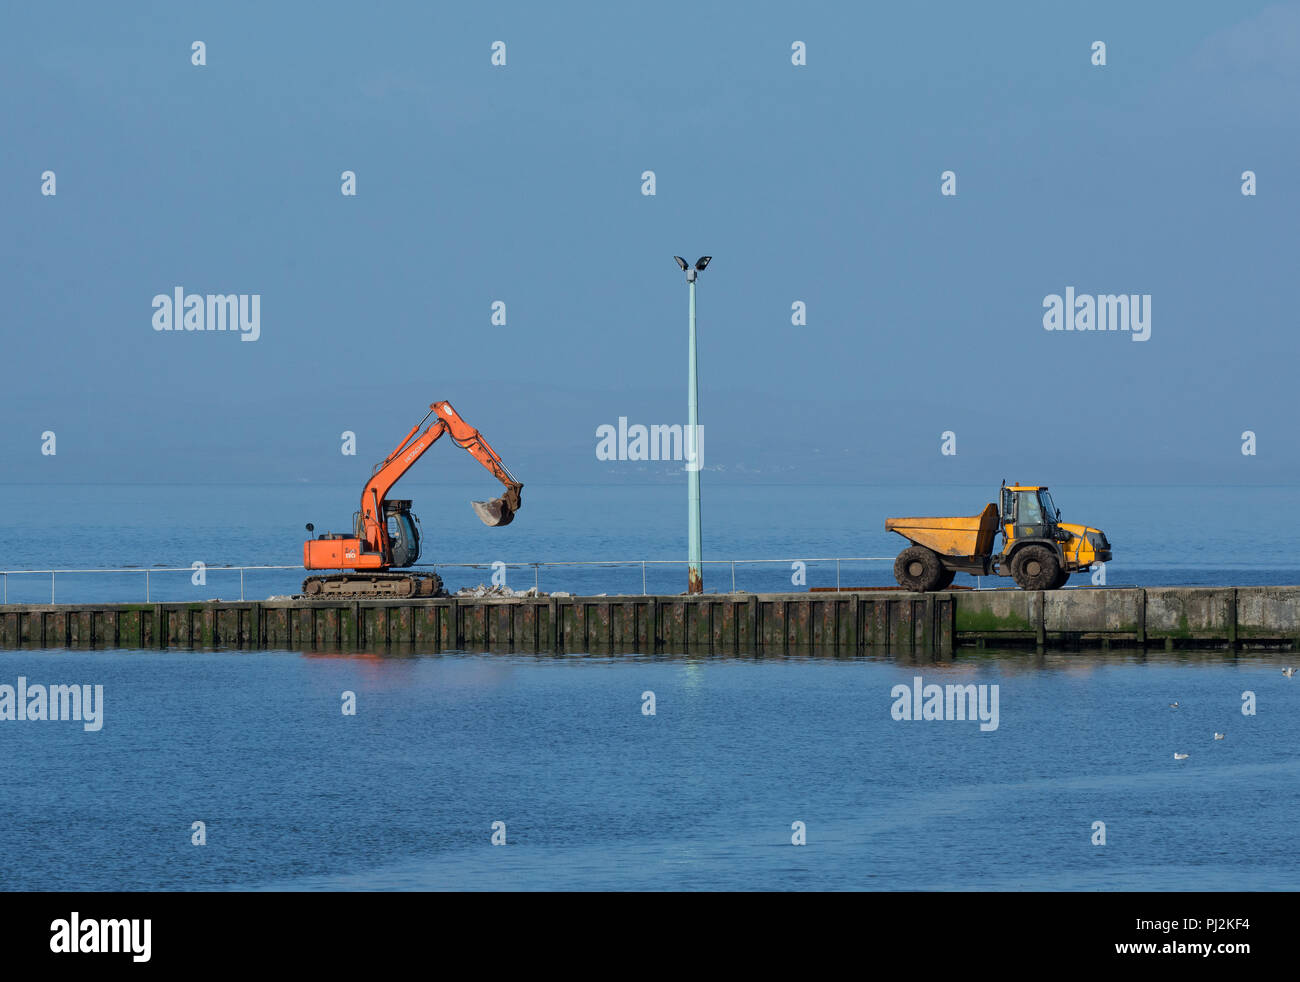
<point x="739" y="623"/>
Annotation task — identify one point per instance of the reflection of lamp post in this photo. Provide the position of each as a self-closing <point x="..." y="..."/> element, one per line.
<point x="695" y="572"/>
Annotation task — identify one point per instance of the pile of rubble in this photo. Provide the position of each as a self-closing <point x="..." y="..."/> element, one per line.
<point x="469" y="593"/>
<point x="483" y="590"/>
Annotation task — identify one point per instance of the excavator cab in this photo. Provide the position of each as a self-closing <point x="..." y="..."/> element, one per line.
<point x="403" y="533"/>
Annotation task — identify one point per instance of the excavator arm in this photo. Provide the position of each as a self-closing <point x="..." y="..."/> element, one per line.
<point x="498" y="511"/>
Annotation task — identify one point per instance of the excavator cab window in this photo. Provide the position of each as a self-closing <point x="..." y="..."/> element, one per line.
<point x="403" y="535"/>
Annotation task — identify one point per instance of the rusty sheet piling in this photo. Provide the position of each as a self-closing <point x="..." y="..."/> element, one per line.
<point x="733" y="623"/>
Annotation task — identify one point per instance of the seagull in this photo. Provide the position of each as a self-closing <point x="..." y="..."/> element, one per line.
<point x="1173" y="705"/>
<point x="1288" y="672"/>
<point x="1180" y="756"/>
<point x="1218" y="736"/>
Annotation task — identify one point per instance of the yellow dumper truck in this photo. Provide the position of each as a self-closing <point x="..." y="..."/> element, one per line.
<point x="1038" y="550"/>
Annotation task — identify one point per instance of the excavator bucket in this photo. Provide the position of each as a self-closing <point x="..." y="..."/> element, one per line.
<point x="494" y="512"/>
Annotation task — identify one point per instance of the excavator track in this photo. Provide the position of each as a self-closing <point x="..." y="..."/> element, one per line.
<point x="348" y="586"/>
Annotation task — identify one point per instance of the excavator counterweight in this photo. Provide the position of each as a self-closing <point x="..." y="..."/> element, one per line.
<point x="386" y="532"/>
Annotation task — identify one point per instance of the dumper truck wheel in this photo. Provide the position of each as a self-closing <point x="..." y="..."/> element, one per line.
<point x="1061" y="579"/>
<point x="1035" y="568"/>
<point x="918" y="569"/>
<point x="945" y="579"/>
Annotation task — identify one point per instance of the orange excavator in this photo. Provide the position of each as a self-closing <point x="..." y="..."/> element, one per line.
<point x="386" y="535"/>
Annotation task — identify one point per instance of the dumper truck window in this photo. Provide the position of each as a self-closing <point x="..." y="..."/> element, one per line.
<point x="1030" y="513"/>
<point x="1049" y="506"/>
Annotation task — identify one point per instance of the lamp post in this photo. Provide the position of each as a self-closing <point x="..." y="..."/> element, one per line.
<point x="695" y="571"/>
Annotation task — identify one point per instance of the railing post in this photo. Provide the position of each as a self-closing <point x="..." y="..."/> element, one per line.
<point x="241" y="583"/>
<point x="51" y="586"/>
<point x="643" y="593"/>
<point x="537" y="577"/>
<point x="733" y="576"/>
<point x="146" y="586"/>
<point x="837" y="576"/>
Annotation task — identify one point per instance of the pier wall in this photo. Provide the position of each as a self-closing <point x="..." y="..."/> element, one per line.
<point x="1265" y="617"/>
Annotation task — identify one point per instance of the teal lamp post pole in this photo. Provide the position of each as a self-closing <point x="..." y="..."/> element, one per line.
<point x="694" y="445"/>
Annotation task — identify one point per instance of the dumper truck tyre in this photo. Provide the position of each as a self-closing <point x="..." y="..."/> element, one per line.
<point x="1062" y="578"/>
<point x="1036" y="568"/>
<point x="945" y="578"/>
<point x="918" y="569"/>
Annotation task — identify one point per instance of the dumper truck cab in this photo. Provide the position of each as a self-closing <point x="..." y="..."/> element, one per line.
<point x="1039" y="551"/>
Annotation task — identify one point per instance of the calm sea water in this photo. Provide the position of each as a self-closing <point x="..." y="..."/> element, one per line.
<point x="1161" y="535"/>
<point x="596" y="795"/>
<point x="702" y="795"/>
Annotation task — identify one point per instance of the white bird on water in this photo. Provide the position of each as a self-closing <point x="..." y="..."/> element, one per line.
<point x="1173" y="705"/>
<point x="1288" y="672"/>
<point x="1218" y="736"/>
<point x="1180" y="756"/>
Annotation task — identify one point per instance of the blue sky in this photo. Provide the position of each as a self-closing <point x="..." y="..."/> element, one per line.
<point x="818" y="183"/>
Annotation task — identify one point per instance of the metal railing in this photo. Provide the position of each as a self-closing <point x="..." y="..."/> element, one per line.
<point x="536" y="567"/>
<point x="52" y="573"/>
